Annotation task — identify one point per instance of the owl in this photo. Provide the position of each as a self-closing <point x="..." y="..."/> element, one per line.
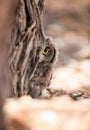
<point x="33" y="66"/>
<point x="43" y="72"/>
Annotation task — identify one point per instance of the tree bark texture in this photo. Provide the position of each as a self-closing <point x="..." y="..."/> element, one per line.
<point x="32" y="54"/>
<point x="27" y="56"/>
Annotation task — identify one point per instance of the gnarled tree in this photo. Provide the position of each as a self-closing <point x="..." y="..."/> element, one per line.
<point x="29" y="54"/>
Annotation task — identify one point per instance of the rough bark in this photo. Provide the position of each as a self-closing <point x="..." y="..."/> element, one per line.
<point x="32" y="54"/>
<point x="26" y="55"/>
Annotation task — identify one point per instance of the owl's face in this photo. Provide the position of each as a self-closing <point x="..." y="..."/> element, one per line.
<point x="49" y="53"/>
<point x="43" y="72"/>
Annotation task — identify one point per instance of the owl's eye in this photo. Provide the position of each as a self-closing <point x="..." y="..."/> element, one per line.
<point x="49" y="53"/>
<point x="46" y="52"/>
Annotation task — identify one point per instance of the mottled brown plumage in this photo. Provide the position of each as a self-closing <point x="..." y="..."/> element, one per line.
<point x="43" y="72"/>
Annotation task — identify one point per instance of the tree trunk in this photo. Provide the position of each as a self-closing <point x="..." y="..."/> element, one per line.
<point x="26" y="55"/>
<point x="7" y="14"/>
<point x="32" y="54"/>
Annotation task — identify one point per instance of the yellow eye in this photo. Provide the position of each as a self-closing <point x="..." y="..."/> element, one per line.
<point x="45" y="52"/>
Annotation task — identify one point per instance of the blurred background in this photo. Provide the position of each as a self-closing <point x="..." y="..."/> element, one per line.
<point x="68" y="22"/>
